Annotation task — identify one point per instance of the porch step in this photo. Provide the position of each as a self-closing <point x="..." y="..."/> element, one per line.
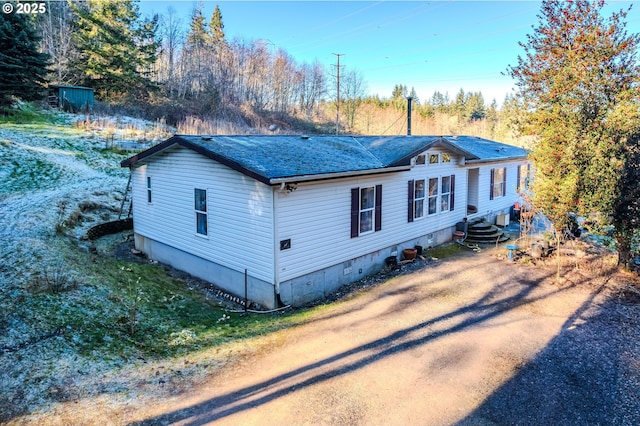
<point x="485" y="233"/>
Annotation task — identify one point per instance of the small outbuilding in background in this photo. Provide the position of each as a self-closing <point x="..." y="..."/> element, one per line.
<point x="70" y="98"/>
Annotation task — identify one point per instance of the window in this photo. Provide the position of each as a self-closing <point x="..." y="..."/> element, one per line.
<point x="498" y="183"/>
<point x="434" y="158"/>
<point x="200" y="196"/>
<point x="446" y="158"/>
<point x="366" y="210"/>
<point x="420" y="159"/>
<point x="445" y="194"/>
<point x="439" y="197"/>
<point x="418" y="199"/>
<point x="433" y="195"/>
<point x="149" y="189"/>
<point x="523" y="177"/>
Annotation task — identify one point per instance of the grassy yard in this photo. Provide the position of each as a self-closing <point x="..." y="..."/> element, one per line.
<point x="78" y="322"/>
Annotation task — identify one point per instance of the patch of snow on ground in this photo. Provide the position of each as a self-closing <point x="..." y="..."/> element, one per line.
<point x="39" y="168"/>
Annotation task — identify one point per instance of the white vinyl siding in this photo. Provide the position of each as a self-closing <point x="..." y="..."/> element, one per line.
<point x="485" y="204"/>
<point x="239" y="210"/>
<point x="316" y="218"/>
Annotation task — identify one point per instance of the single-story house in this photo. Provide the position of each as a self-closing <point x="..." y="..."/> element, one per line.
<point x="299" y="216"/>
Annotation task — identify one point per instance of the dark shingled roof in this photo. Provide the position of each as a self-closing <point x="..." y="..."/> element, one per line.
<point x="268" y="157"/>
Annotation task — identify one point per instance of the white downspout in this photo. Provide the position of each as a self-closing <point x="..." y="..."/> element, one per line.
<point x="276" y="252"/>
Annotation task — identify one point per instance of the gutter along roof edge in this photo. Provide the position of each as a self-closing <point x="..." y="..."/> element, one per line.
<point x="337" y="175"/>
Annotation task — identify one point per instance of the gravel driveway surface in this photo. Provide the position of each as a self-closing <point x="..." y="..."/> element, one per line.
<point x="471" y="340"/>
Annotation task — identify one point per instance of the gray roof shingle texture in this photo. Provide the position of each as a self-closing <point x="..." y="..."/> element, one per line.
<point x="268" y="157"/>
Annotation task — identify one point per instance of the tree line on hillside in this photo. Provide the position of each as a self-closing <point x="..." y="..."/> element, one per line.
<point x="125" y="58"/>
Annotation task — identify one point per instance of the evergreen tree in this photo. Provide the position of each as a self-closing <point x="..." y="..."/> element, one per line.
<point x="440" y="102"/>
<point x="460" y="105"/>
<point x="474" y="106"/>
<point x="492" y="117"/>
<point x="399" y="91"/>
<point x="414" y="96"/>
<point x="116" y="48"/>
<point x="578" y="69"/>
<point x="197" y="37"/>
<point x="216" y="30"/>
<point x="23" y="69"/>
<point x="195" y="54"/>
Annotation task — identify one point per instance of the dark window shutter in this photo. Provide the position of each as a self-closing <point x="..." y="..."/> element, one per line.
<point x="411" y="199"/>
<point x="518" y="176"/>
<point x="491" y="184"/>
<point x="504" y="182"/>
<point x="378" y="221"/>
<point x="355" y="211"/>
<point x="453" y="192"/>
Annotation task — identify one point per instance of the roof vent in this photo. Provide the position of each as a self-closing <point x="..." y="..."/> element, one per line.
<point x="206" y="138"/>
<point x="305" y="137"/>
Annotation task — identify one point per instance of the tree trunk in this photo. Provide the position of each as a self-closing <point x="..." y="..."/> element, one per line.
<point x="624" y="253"/>
<point x="558" y="258"/>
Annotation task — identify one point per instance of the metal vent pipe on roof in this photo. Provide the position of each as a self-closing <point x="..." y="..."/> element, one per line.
<point x="409" y="99"/>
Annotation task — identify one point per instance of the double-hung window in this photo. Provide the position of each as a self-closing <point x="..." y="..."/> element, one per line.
<point x="498" y="183"/>
<point x="366" y="210"/>
<point x="445" y="194"/>
<point x="200" y="197"/>
<point x="523" y="177"/>
<point x="433" y="196"/>
<point x="418" y="199"/>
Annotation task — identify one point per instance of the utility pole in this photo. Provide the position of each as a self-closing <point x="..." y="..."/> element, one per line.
<point x="338" y="99"/>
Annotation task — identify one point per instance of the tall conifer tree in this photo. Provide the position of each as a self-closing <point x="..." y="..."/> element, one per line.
<point x="23" y="69"/>
<point x="116" y="48"/>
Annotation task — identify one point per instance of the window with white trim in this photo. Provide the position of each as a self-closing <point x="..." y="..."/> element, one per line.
<point x="418" y="199"/>
<point x="366" y="210"/>
<point x="523" y="177"/>
<point x="445" y="157"/>
<point x="434" y="158"/>
<point x="433" y="196"/>
<point x="421" y="159"/>
<point x="149" y="189"/>
<point x="445" y="194"/>
<point x="498" y="182"/>
<point x="200" y="198"/>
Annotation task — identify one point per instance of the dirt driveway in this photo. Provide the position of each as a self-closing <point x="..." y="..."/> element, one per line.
<point x="471" y="340"/>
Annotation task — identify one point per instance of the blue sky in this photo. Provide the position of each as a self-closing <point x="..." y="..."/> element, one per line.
<point x="437" y="45"/>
